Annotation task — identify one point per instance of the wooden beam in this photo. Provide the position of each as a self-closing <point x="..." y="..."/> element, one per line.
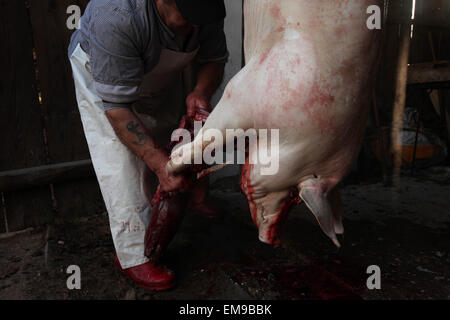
<point x="400" y="95"/>
<point x="9" y="235"/>
<point x="44" y="175"/>
<point x="430" y="72"/>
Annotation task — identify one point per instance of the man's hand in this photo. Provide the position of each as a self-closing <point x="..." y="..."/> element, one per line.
<point x="170" y="183"/>
<point x="208" y="79"/>
<point x="196" y="101"/>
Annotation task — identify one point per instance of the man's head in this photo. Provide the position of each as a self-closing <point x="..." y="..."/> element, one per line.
<point x="182" y="15"/>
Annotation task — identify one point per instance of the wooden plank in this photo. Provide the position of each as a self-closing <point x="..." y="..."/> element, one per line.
<point x="10" y="235"/>
<point x="20" y="124"/>
<point x="431" y="72"/>
<point x="14" y="180"/>
<point x="65" y="136"/>
<point x="400" y="96"/>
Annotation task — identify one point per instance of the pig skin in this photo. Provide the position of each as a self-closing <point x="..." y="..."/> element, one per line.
<point x="309" y="73"/>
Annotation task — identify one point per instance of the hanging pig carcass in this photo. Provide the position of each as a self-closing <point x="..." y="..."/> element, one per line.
<point x="309" y="74"/>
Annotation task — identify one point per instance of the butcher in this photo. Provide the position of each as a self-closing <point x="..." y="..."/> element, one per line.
<point x="139" y="66"/>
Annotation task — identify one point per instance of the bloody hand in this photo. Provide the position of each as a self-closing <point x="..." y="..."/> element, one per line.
<point x="197" y="102"/>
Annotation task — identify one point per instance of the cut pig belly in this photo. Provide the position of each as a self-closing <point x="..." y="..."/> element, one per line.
<point x="269" y="211"/>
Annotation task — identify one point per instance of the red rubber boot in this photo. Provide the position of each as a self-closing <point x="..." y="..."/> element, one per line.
<point x="149" y="275"/>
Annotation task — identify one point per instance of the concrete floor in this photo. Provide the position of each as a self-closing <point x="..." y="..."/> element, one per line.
<point x="404" y="230"/>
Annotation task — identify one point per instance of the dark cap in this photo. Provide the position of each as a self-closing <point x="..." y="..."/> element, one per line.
<point x="201" y="12"/>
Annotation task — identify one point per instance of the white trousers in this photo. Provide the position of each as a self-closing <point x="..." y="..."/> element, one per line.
<point x="120" y="173"/>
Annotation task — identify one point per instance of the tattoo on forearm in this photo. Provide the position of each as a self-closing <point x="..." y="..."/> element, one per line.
<point x="133" y="127"/>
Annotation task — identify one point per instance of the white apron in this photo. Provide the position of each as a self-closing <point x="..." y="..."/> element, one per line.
<point x="125" y="181"/>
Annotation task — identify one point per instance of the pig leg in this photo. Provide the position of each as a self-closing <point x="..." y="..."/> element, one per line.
<point x="315" y="193"/>
<point x="227" y="115"/>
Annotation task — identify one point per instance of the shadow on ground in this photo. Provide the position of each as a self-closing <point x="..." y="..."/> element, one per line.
<point x="404" y="230"/>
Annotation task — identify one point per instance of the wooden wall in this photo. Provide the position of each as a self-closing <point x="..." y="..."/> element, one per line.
<point x="40" y="124"/>
<point x="431" y="22"/>
<point x="430" y="15"/>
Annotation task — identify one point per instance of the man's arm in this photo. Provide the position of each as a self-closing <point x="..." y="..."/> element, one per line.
<point x="133" y="134"/>
<point x="209" y="78"/>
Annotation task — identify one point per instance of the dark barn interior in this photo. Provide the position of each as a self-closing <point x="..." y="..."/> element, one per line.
<point x="396" y="200"/>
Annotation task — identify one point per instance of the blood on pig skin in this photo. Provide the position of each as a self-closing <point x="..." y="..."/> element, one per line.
<point x="310" y="70"/>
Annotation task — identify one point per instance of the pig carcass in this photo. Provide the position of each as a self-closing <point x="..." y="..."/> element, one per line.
<point x="309" y="73"/>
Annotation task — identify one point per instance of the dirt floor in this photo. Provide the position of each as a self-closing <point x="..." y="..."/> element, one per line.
<point x="404" y="230"/>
